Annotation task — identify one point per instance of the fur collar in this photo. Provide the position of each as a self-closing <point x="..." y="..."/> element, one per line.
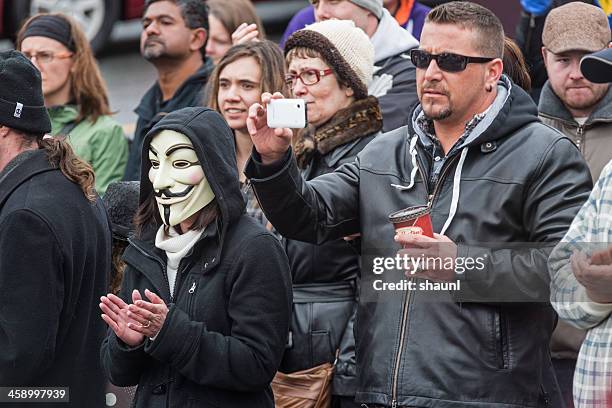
<point x="360" y="119"/>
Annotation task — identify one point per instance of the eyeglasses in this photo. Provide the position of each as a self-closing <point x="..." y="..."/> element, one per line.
<point x="447" y="61"/>
<point x="308" y="77"/>
<point x="45" y="57"/>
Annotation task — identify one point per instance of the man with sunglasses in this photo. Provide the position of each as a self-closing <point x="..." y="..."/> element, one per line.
<point x="500" y="188"/>
<point x="582" y="111"/>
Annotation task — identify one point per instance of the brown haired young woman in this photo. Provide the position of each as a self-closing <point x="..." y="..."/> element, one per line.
<point x="242" y="75"/>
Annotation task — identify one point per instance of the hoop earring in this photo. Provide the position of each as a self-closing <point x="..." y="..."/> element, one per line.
<point x="488" y="88"/>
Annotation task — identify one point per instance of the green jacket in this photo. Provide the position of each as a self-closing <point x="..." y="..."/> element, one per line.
<point x="102" y="144"/>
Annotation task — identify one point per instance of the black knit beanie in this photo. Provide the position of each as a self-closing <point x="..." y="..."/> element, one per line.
<point x="22" y="106"/>
<point x="51" y="26"/>
<point x="121" y="201"/>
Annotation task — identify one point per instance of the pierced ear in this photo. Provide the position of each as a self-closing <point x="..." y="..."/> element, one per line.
<point x="495" y="70"/>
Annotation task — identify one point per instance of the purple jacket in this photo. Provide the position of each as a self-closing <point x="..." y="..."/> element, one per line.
<point x="306" y="16"/>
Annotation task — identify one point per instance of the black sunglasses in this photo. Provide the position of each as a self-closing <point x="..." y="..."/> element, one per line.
<point x="446" y="61"/>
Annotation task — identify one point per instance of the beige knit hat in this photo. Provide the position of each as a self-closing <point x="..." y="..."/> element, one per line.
<point x="576" y="26"/>
<point x="344" y="47"/>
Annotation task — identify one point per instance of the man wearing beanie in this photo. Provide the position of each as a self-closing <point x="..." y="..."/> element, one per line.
<point x="458" y="212"/>
<point x="54" y="251"/>
<point x="393" y="82"/>
<point x="582" y="111"/>
<point x="173" y="39"/>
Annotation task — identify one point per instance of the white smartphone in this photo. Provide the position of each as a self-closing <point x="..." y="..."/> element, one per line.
<point x="287" y="113"/>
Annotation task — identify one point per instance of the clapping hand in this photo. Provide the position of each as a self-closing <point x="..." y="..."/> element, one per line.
<point x="150" y="316"/>
<point x="115" y="314"/>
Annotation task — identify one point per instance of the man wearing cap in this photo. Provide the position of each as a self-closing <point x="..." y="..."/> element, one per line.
<point x="581" y="272"/>
<point x="173" y="39"/>
<point x="54" y="250"/>
<point x="581" y="110"/>
<point x="393" y="82"/>
<point x="529" y="35"/>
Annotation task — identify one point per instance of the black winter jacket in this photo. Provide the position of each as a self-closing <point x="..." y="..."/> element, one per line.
<point x="55" y="252"/>
<point x="223" y="338"/>
<point x="521" y="181"/>
<point x="324" y="276"/>
<point x="151" y="109"/>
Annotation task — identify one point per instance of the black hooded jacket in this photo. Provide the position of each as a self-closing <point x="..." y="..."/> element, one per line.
<point x="151" y="109"/>
<point x="486" y="345"/>
<point x="226" y="330"/>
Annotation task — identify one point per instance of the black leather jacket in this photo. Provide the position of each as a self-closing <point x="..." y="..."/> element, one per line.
<point x="521" y="182"/>
<point x="324" y="285"/>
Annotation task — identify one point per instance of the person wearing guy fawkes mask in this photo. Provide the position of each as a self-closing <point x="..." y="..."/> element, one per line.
<point x="204" y="307"/>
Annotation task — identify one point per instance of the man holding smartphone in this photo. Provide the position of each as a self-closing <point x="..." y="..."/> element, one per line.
<point x="493" y="176"/>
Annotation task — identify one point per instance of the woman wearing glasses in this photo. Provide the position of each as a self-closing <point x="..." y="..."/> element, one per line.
<point x="329" y="66"/>
<point x="242" y="75"/>
<point x="75" y="94"/>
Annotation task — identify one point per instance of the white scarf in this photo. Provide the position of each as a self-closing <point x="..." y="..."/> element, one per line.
<point x="176" y="246"/>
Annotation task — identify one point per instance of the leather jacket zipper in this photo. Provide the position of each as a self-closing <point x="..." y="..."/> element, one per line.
<point x="401" y="346"/>
<point x="545" y="397"/>
<point x="501" y="340"/>
<point x="425" y="179"/>
<point x="430" y="198"/>
<point x="447" y="165"/>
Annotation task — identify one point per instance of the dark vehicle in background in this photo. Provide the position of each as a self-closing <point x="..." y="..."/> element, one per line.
<point x="99" y="16"/>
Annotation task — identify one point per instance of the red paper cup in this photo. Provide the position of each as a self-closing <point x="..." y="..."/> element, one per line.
<point x="412" y="220"/>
